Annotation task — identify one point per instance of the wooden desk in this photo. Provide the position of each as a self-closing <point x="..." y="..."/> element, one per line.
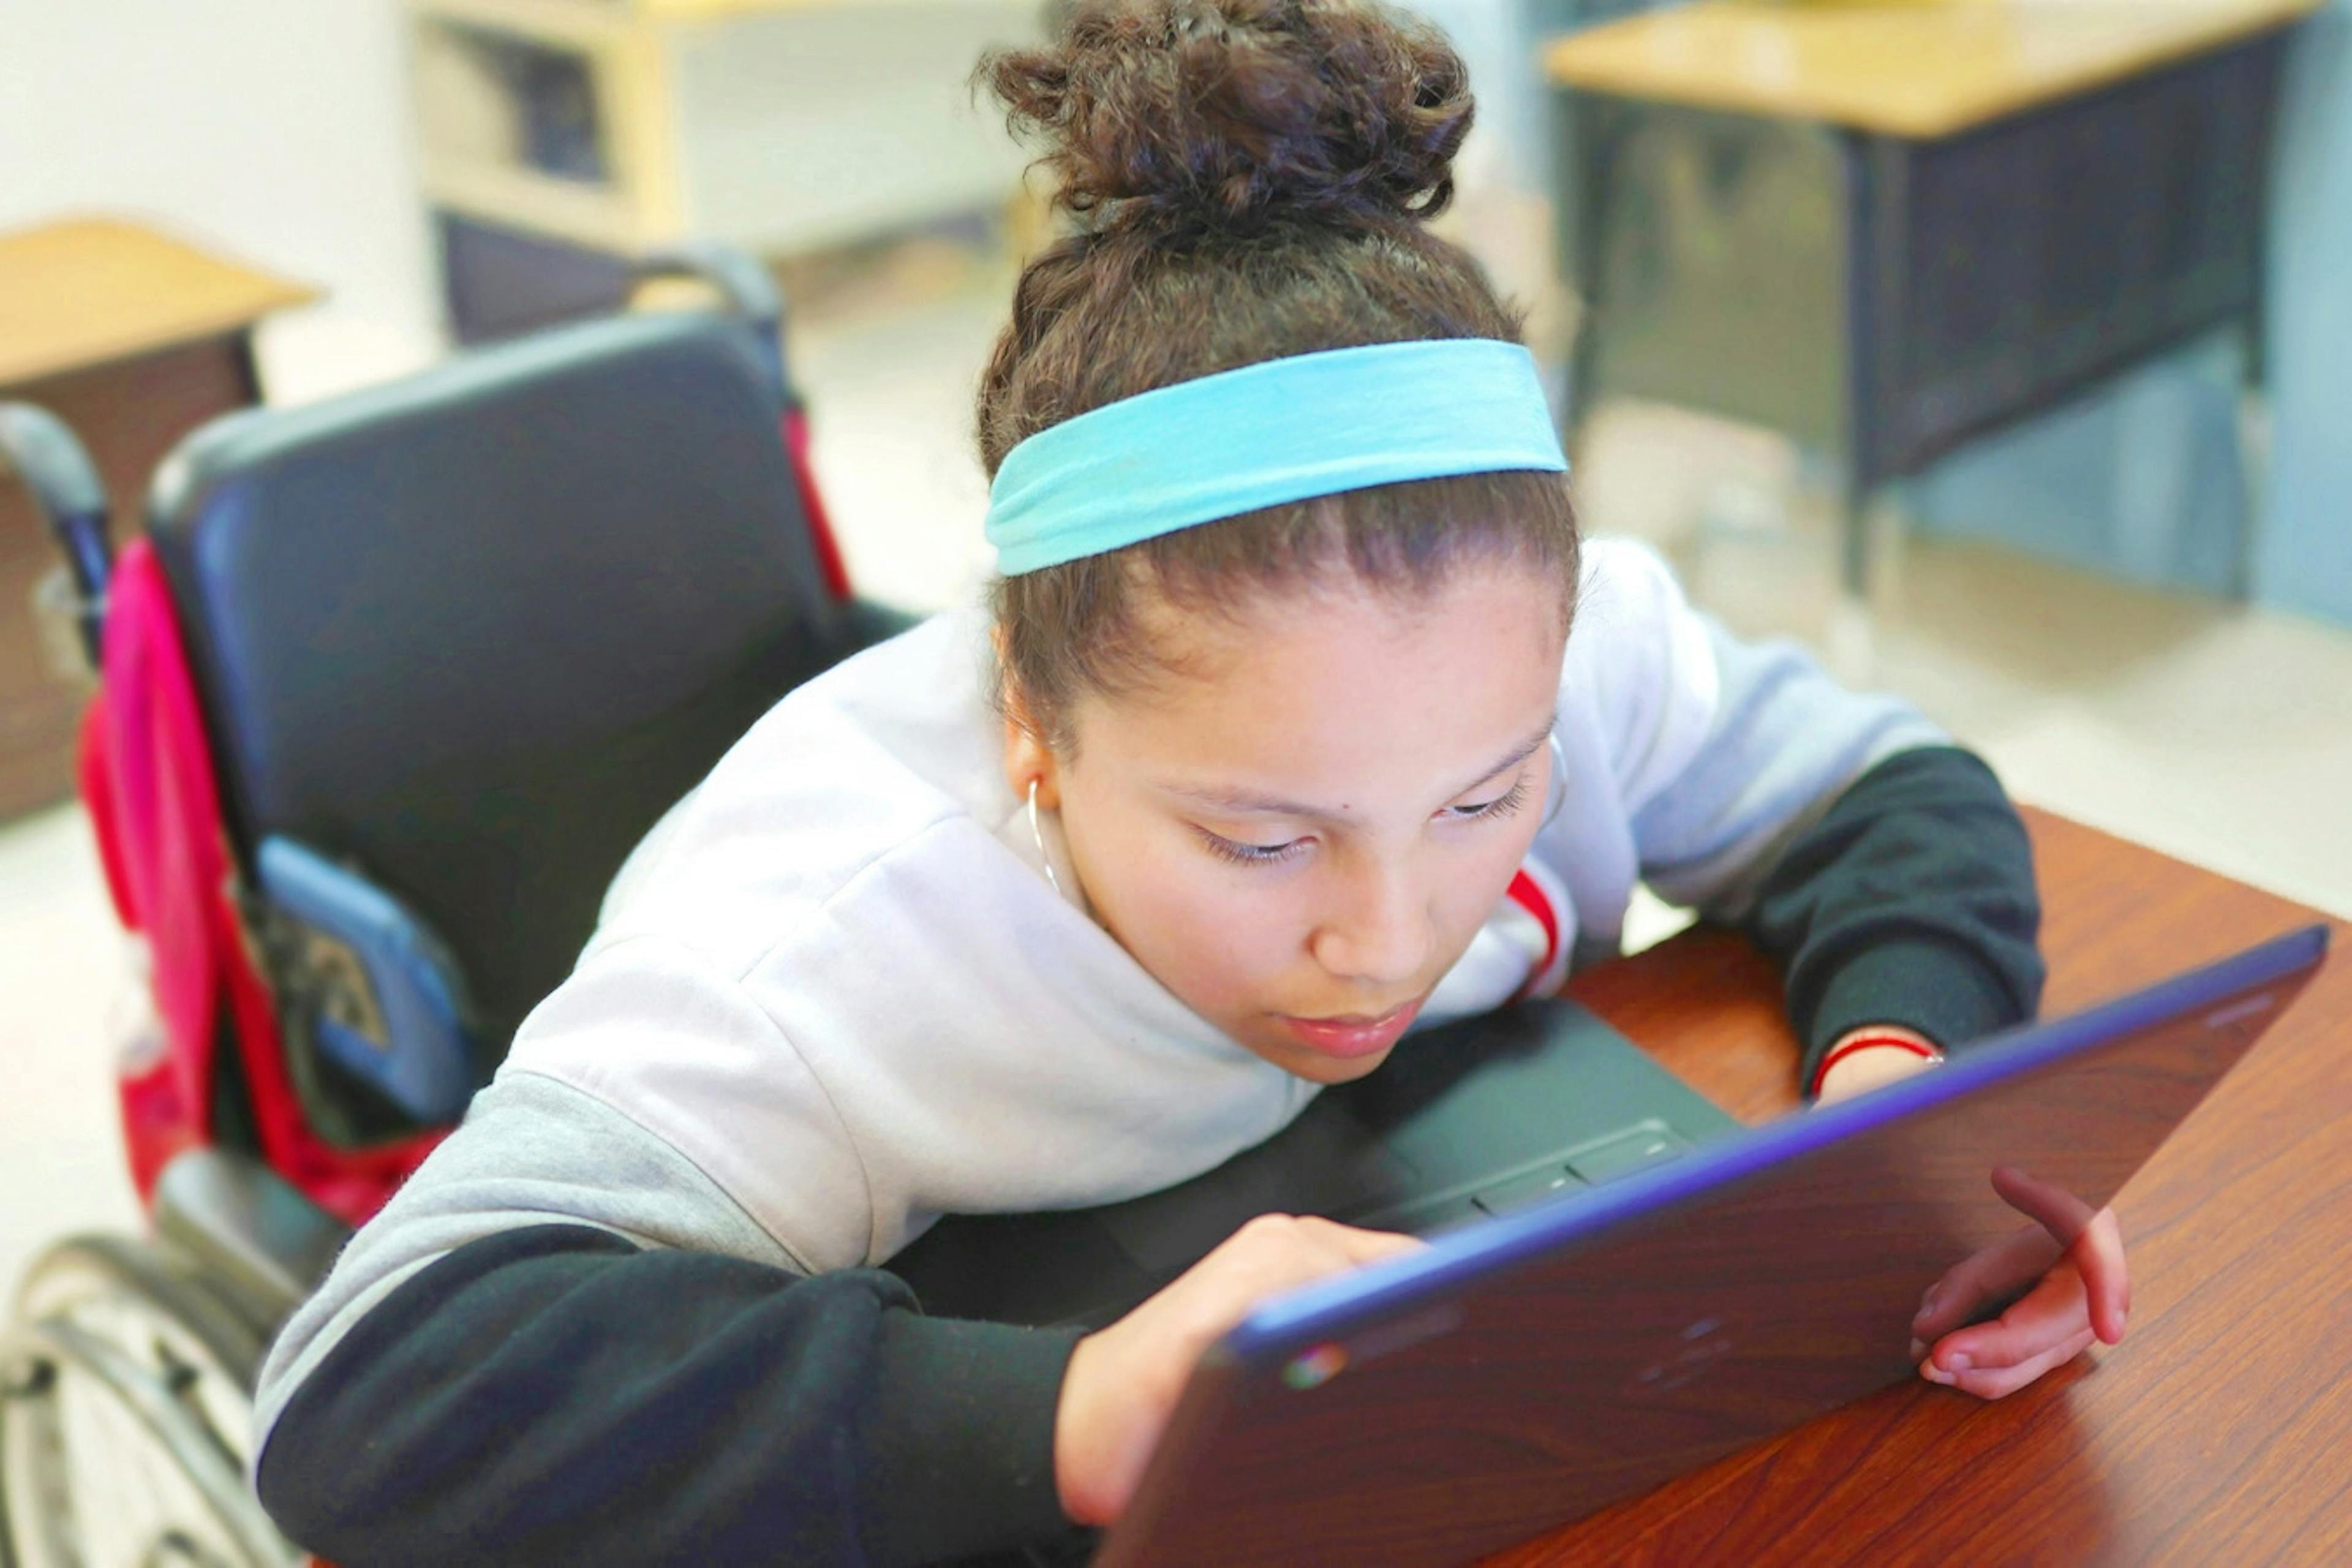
<point x="1917" y="69"/>
<point x="132" y="340"/>
<point x="1887" y="227"/>
<point x="2217" y="1431"/>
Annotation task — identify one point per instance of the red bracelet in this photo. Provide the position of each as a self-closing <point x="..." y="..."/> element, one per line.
<point x="1846" y="1048"/>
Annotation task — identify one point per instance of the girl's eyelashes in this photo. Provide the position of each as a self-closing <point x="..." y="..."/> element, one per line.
<point x="1240" y="854"/>
<point x="1250" y="854"/>
<point x="1503" y="805"/>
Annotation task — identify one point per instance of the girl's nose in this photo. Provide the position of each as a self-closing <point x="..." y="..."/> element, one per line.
<point x="1379" y="933"/>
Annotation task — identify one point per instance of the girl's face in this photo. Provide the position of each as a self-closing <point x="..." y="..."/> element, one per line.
<point x="1300" y="826"/>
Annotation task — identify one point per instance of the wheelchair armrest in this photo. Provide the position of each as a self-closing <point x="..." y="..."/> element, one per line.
<point x="377" y="991"/>
<point x="262" y="1243"/>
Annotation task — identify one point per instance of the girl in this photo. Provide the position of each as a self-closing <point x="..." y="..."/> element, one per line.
<point x="1299" y="718"/>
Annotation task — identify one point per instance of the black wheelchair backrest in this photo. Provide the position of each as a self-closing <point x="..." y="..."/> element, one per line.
<point x="477" y="630"/>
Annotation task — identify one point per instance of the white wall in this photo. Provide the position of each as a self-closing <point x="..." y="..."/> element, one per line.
<point x="276" y="131"/>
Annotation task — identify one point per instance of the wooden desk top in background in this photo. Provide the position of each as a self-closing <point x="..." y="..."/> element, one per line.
<point x="92" y="290"/>
<point x="2220" y="1430"/>
<point x="1913" y="69"/>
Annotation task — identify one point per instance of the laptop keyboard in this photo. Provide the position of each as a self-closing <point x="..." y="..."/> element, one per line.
<point x="1521" y="1191"/>
<point x="1637" y="1147"/>
<point x="1619" y="1154"/>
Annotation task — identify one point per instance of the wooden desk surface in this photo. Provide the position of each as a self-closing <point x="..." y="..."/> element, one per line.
<point x="2219" y="1431"/>
<point x="1914" y="68"/>
<point x="92" y="290"/>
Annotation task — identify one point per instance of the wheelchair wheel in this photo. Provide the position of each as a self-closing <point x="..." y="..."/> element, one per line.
<point x="149" y="1302"/>
<point x="126" y="1418"/>
<point x="101" y="1466"/>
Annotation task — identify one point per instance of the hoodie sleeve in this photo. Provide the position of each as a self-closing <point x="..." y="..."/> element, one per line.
<point x="1881" y="867"/>
<point x="562" y="1341"/>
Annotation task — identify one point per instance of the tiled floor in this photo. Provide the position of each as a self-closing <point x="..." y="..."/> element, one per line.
<point x="2221" y="735"/>
<point x="61" y="967"/>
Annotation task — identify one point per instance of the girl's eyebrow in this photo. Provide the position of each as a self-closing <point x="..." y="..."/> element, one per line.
<point x="1251" y="803"/>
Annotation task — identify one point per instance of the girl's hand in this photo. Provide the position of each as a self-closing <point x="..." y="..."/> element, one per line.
<point x="1123" y="1382"/>
<point x="2063" y="1278"/>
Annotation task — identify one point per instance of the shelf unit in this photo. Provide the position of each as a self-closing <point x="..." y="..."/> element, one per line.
<point x="560" y="139"/>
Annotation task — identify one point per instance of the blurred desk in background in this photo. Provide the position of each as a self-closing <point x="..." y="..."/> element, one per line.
<point x="561" y="140"/>
<point x="133" y="340"/>
<point x="1883" y="229"/>
<point x="2215" y="1433"/>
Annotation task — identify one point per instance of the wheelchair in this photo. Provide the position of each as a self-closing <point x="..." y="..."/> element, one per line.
<point x="389" y="687"/>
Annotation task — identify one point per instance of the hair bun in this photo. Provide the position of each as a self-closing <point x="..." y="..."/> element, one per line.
<point x="1228" y="115"/>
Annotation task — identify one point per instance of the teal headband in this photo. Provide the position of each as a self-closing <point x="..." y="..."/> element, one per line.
<point x="1285" y="430"/>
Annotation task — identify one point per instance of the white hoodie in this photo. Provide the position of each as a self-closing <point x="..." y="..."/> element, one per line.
<point x="834" y="994"/>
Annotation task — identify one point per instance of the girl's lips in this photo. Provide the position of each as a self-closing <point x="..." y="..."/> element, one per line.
<point x="1352" y="1036"/>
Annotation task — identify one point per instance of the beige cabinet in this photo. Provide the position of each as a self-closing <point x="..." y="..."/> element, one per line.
<point x="609" y="127"/>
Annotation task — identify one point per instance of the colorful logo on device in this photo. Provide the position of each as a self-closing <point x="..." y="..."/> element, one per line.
<point x="1313" y="1368"/>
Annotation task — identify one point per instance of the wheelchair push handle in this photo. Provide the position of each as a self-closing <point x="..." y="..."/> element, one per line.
<point x="748" y="288"/>
<point x="56" y="470"/>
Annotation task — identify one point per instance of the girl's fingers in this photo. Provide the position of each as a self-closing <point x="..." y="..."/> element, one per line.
<point x="1365" y="1246"/>
<point x="2094" y="1241"/>
<point x="1997" y="1381"/>
<point x="2005" y="1267"/>
<point x="2051" y="1314"/>
<point x="2097" y="1256"/>
<point x="2089" y="1297"/>
<point x="2049" y="1205"/>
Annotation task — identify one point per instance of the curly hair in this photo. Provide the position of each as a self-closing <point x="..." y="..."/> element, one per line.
<point x="1247" y="180"/>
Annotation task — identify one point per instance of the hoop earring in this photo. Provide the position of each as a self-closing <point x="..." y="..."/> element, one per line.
<point x="1559" y="788"/>
<point x="1039" y="835"/>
